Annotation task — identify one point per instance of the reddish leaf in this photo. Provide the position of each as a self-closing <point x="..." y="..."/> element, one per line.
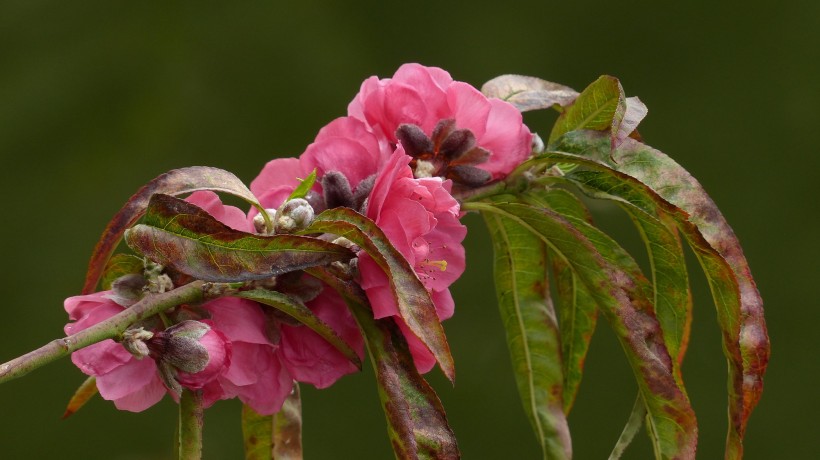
<point x="180" y="235"/>
<point x="416" y="422"/>
<point x="175" y="182"/>
<point x="414" y="302"/>
<point x="84" y="393"/>
<point x="652" y="181"/>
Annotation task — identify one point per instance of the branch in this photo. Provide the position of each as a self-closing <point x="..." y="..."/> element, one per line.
<point x="190" y="425"/>
<point x="113" y="327"/>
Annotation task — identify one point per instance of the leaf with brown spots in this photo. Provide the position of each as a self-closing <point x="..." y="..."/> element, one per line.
<point x="522" y="289"/>
<point x="414" y="303"/>
<point x="577" y="310"/>
<point x="180" y="235"/>
<point x="257" y="434"/>
<point x="416" y="422"/>
<point x="175" y="182"/>
<point x="529" y="93"/>
<point x="651" y="181"/>
<point x="622" y="294"/>
<point x="120" y="265"/>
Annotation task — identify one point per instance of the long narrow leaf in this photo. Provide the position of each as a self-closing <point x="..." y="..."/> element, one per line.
<point x="533" y="339"/>
<point x="650" y="180"/>
<point x="181" y="235"/>
<point x="577" y="309"/>
<point x="621" y="293"/>
<point x="257" y="434"/>
<point x="84" y="393"/>
<point x="414" y="303"/>
<point x="175" y="182"/>
<point x="298" y="311"/>
<point x="416" y="422"/>
<point x="287" y="428"/>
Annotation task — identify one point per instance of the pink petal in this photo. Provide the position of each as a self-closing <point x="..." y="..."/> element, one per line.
<point x="229" y="215"/>
<point x="78" y="306"/>
<point x="101" y="358"/>
<point x="280" y="172"/>
<point x="423" y="359"/>
<point x="239" y="319"/>
<point x="469" y="107"/>
<point x="126" y="379"/>
<point x="143" y="398"/>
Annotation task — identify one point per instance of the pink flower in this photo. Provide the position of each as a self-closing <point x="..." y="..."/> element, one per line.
<point x="427" y="98"/>
<point x="133" y="384"/>
<point x="421" y="219"/>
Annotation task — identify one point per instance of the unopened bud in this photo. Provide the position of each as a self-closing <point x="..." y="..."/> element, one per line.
<point x="293" y="216"/>
<point x="537" y="144"/>
<point x="134" y="341"/>
<point x="179" y="346"/>
<point x="128" y="289"/>
<point x="259" y="221"/>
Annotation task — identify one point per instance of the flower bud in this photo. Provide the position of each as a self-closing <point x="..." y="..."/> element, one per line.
<point x="128" y="289"/>
<point x="259" y="221"/>
<point x="134" y="341"/>
<point x="189" y="353"/>
<point x="293" y="215"/>
<point x="537" y="144"/>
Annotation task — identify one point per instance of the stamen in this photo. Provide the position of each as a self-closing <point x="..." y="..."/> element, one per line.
<point x="440" y="264"/>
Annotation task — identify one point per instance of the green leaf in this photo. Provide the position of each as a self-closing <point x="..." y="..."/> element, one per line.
<point x="652" y="181"/>
<point x="621" y="292"/>
<point x="84" y="393"/>
<point x="257" y="433"/>
<point x="672" y="295"/>
<point x="180" y="235"/>
<point x="304" y="186"/>
<point x="601" y="106"/>
<point x="633" y="425"/>
<point x="298" y="311"/>
<point x="414" y="303"/>
<point x="526" y="309"/>
<point x="529" y="93"/>
<point x="175" y="182"/>
<point x="577" y="309"/>
<point x="287" y="428"/>
<point x="416" y="422"/>
<point x="120" y="265"/>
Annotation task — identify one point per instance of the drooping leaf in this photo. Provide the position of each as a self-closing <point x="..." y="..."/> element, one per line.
<point x="84" y="393"/>
<point x="120" y="265"/>
<point x="298" y="311"/>
<point x="257" y="434"/>
<point x="621" y="292"/>
<point x="287" y="428"/>
<point x="633" y="425"/>
<point x="672" y="295"/>
<point x="179" y="234"/>
<point x="577" y="309"/>
<point x="529" y="93"/>
<point x="414" y="303"/>
<point x="527" y="312"/>
<point x="652" y="181"/>
<point x="416" y="422"/>
<point x="175" y="182"/>
<point x="304" y="186"/>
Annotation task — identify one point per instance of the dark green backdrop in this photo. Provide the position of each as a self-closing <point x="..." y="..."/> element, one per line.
<point x="96" y="98"/>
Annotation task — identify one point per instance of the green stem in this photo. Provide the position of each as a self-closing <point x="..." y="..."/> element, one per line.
<point x="111" y="328"/>
<point x="190" y="425"/>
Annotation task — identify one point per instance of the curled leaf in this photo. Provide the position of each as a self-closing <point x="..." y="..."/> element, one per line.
<point x="180" y="235"/>
<point x="175" y="182"/>
<point x="414" y="303"/>
<point x="529" y="93"/>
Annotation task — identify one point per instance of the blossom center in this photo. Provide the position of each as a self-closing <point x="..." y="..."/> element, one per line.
<point x="449" y="152"/>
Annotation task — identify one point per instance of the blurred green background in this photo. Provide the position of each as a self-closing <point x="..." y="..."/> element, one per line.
<point x="97" y="98"/>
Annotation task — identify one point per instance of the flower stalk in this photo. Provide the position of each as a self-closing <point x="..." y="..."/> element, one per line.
<point x="109" y="329"/>
<point x="190" y="425"/>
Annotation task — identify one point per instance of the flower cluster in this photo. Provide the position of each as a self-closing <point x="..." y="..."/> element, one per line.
<point x="407" y="144"/>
